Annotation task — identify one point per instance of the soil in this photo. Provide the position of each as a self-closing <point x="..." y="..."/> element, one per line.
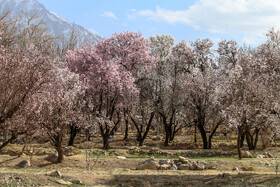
<point x="107" y="170"/>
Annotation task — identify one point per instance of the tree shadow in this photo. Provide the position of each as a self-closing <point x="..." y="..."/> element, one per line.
<point x="8" y="160"/>
<point x="46" y="164"/>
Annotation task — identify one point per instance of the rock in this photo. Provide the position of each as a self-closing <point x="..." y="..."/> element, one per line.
<point x="155" y="138"/>
<point x="184" y="160"/>
<point x="24" y="164"/>
<point x="177" y="162"/>
<point x="267" y="164"/>
<point x="185" y="166"/>
<point x="55" y="174"/>
<point x="121" y="157"/>
<point x="63" y="182"/>
<point x="52" y="158"/>
<point x="164" y="167"/>
<point x="134" y="150"/>
<point x="235" y="169"/>
<point x="193" y="166"/>
<point x="148" y="164"/>
<point x="200" y="167"/>
<point x="224" y="175"/>
<point x="260" y="156"/>
<point x="173" y="167"/>
<point x="269" y="155"/>
<point x="247" y="168"/>
<point x="78" y="181"/>
<point x="211" y="165"/>
<point x="246" y="154"/>
<point x="168" y="161"/>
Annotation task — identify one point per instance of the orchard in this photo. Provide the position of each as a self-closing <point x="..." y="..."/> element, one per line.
<point x="130" y="94"/>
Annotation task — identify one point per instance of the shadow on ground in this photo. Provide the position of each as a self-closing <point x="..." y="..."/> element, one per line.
<point x="194" y="180"/>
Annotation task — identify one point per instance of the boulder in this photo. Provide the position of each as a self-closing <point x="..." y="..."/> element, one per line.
<point x="168" y="162"/>
<point x="260" y="156"/>
<point x="247" y="168"/>
<point x="155" y="138"/>
<point x="164" y="167"/>
<point x="269" y="155"/>
<point x="55" y="174"/>
<point x="121" y="157"/>
<point x="177" y="162"/>
<point x="63" y="182"/>
<point x="194" y="166"/>
<point x="150" y="164"/>
<point x="200" y="167"/>
<point x="210" y="165"/>
<point x="52" y="158"/>
<point x="78" y="181"/>
<point x="186" y="167"/>
<point x="24" y="164"/>
<point x="184" y="160"/>
<point x="173" y="167"/>
<point x="246" y="154"/>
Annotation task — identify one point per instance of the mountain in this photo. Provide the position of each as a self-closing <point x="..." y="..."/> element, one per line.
<point x="55" y="24"/>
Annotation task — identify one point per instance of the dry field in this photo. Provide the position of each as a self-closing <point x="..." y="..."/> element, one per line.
<point x="107" y="170"/>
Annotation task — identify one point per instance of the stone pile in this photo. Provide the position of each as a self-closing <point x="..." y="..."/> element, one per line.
<point x="181" y="163"/>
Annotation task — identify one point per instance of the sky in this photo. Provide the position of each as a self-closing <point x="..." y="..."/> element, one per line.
<point x="245" y="21"/>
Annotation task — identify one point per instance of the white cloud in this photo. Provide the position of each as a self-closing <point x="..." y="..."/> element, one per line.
<point x="109" y="14"/>
<point x="250" y="18"/>
<point x="132" y="10"/>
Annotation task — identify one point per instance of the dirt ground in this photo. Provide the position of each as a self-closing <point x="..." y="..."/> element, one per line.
<point x="107" y="170"/>
<point x="117" y="172"/>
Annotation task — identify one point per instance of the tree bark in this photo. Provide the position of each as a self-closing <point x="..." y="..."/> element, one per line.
<point x="126" y="130"/>
<point x="57" y="140"/>
<point x="195" y="138"/>
<point x="14" y="137"/>
<point x="60" y="157"/>
<point x="204" y="136"/>
<point x="73" y="132"/>
<point x="105" y="141"/>
<point x="239" y="144"/>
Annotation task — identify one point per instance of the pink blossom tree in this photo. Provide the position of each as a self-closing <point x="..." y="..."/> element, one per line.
<point x="61" y="106"/>
<point x="107" y="71"/>
<point x="25" y="62"/>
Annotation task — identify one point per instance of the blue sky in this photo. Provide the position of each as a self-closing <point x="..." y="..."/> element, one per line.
<point x="245" y="21"/>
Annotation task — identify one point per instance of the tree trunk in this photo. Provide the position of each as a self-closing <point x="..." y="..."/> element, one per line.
<point x="195" y="138"/>
<point x="58" y="147"/>
<point x="60" y="154"/>
<point x="87" y="133"/>
<point x="249" y="140"/>
<point x="204" y="137"/>
<point x="166" y="139"/>
<point x="14" y="137"/>
<point x="4" y="136"/>
<point x="242" y="138"/>
<point x="256" y="138"/>
<point x="126" y="130"/>
<point x="141" y="142"/>
<point x="239" y="141"/>
<point x="73" y="132"/>
<point x="210" y="142"/>
<point x="105" y="138"/>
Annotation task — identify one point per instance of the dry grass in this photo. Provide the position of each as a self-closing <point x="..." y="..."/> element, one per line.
<point x="109" y="171"/>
